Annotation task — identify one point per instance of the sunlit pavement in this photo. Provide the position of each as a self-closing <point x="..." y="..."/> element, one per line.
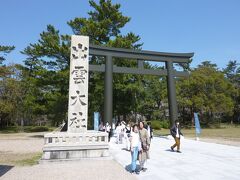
<point x="198" y="160"/>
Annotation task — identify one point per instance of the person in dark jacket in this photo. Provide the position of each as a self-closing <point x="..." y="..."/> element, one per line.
<point x="148" y="127"/>
<point x="176" y="133"/>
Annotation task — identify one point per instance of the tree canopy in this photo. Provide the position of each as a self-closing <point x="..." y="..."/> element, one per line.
<point x="38" y="90"/>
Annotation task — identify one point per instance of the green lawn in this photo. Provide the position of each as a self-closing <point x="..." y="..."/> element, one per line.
<point x="226" y="133"/>
<point x="28" y="129"/>
<point x="29" y="161"/>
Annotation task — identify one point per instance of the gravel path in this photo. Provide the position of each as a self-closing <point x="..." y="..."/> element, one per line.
<point x="22" y="146"/>
<point x="17" y="147"/>
<point x="79" y="170"/>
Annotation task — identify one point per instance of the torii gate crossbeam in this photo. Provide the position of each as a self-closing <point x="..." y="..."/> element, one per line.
<point x="140" y="56"/>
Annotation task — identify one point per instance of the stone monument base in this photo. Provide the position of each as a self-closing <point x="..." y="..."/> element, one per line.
<point x="66" y="146"/>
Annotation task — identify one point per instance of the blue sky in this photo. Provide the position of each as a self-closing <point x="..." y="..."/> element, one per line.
<point x="209" y="28"/>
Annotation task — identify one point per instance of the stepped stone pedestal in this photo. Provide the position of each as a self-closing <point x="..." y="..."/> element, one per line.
<point x="64" y="145"/>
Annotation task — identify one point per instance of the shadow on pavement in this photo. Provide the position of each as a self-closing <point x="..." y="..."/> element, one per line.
<point x="164" y="136"/>
<point x="128" y="167"/>
<point x="4" y="169"/>
<point x="125" y="149"/>
<point x="169" y="150"/>
<point x="37" y="136"/>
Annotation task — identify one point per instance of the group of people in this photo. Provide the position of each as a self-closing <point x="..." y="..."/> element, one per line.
<point x="105" y="128"/>
<point x="139" y="146"/>
<point x="122" y="133"/>
<point x="138" y="139"/>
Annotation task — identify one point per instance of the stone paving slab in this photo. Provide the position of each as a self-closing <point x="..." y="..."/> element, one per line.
<point x="198" y="160"/>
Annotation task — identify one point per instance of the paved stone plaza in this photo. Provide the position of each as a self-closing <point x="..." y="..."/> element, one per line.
<point x="198" y="160"/>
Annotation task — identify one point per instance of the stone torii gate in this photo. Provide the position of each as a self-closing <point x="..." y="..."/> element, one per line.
<point x="140" y="56"/>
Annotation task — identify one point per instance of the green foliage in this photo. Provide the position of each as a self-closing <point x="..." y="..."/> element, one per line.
<point x="152" y="103"/>
<point x="12" y="93"/>
<point x="206" y="91"/>
<point x="157" y="124"/>
<point x="232" y="73"/>
<point x="29" y="161"/>
<point x="104" y="22"/>
<point x="3" y="51"/>
<point x="165" y="124"/>
<point x="36" y="129"/>
<point x="38" y="90"/>
<point x="47" y="72"/>
<point x="28" y="129"/>
<point x="47" y="65"/>
<point x="10" y="129"/>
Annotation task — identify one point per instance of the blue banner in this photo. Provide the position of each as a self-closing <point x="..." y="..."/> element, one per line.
<point x="197" y="124"/>
<point x="96" y="120"/>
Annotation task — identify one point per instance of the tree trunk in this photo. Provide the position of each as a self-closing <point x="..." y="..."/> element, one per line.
<point x="124" y="117"/>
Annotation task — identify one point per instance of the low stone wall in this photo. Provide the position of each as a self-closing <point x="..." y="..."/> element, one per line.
<point x="64" y="145"/>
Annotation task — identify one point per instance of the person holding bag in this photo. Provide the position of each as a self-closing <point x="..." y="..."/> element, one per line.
<point x="145" y="143"/>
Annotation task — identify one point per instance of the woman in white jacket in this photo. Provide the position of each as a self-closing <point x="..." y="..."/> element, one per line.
<point x="135" y="148"/>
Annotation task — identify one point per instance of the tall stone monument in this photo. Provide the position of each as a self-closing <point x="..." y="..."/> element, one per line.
<point x="77" y="142"/>
<point x="78" y="85"/>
